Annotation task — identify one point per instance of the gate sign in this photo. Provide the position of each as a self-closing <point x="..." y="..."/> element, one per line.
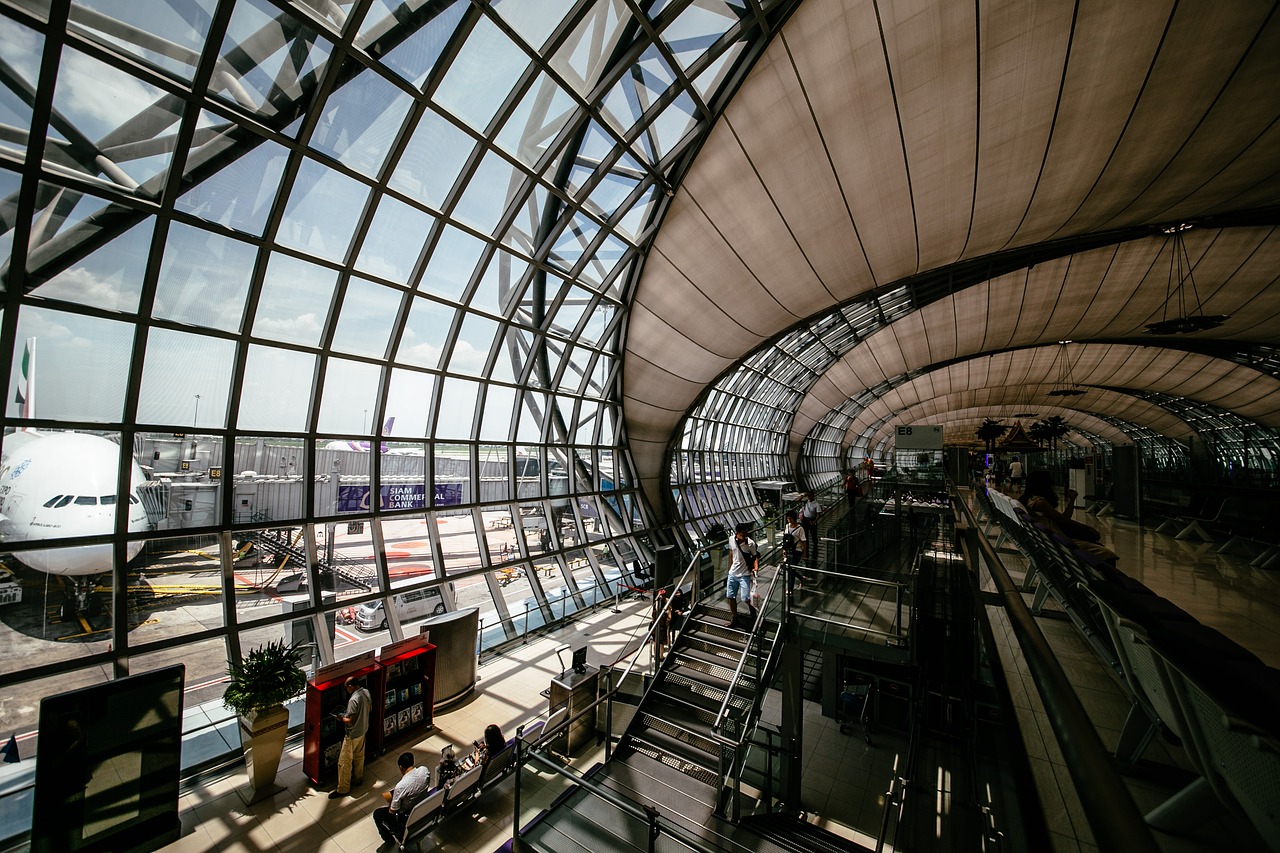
<point x="919" y="437"/>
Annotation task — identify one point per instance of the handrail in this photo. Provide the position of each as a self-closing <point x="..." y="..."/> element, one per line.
<point x="1109" y="807"/>
<point x="658" y="825"/>
<point x="717" y="727"/>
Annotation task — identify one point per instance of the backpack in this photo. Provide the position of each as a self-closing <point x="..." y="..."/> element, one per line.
<point x="788" y="543"/>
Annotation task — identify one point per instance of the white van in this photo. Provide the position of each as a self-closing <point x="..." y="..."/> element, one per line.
<point x="412" y="605"/>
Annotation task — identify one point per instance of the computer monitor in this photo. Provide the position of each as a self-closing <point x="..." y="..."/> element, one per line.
<point x="580" y="659"/>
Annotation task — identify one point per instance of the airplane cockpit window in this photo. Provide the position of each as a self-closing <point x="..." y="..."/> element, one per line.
<point x="86" y="500"/>
<point x="53" y="500"/>
<point x="66" y="499"/>
<point x="107" y="500"/>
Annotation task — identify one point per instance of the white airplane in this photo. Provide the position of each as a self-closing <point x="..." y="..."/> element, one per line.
<point x="55" y="485"/>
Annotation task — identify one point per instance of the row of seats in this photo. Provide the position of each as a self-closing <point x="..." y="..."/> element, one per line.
<point x="1186" y="678"/>
<point x="443" y="801"/>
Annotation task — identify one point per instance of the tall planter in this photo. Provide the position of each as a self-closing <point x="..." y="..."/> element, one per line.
<point x="260" y="683"/>
<point x="262" y="735"/>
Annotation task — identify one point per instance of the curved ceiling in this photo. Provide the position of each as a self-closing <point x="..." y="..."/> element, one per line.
<point x="876" y="141"/>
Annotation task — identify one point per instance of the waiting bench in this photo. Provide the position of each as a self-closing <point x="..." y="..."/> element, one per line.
<point x="442" y="802"/>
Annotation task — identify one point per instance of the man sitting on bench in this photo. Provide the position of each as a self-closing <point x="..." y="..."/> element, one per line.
<point x="413" y="785"/>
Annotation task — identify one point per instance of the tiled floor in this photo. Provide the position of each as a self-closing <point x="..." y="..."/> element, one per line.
<point x="844" y="777"/>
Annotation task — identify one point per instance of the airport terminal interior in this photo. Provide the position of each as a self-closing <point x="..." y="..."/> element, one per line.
<point x="363" y="326"/>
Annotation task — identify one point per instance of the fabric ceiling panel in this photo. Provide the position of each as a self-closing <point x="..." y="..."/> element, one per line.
<point x="771" y="128"/>
<point x="912" y="345"/>
<point x="932" y="51"/>
<point x="1101" y="84"/>
<point x="836" y="48"/>
<point x="737" y="301"/>
<point x="1183" y="79"/>
<point x="682" y="366"/>
<point x="1237" y="121"/>
<point x="1021" y="77"/>
<point x="748" y="225"/>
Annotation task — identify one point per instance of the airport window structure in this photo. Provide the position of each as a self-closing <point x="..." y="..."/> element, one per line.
<point x="253" y="246"/>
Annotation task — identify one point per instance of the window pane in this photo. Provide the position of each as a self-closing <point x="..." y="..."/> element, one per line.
<point x="424" y="334"/>
<point x="109" y="277"/>
<point x="409" y="402"/>
<point x="491" y="188"/>
<point x="481" y="75"/>
<point x="277" y="390"/>
<point x="186" y="380"/>
<point x="536" y="121"/>
<point x="368" y="312"/>
<point x="471" y="349"/>
<point x="240" y="194"/>
<point x="350" y="388"/>
<point x="457" y="409"/>
<point x="414" y="58"/>
<point x="499" y="400"/>
<point x="204" y="279"/>
<point x="360" y="121"/>
<point x="432" y="160"/>
<point x="83" y="365"/>
<point x="322" y="212"/>
<point x="275" y="58"/>
<point x="453" y="262"/>
<point x="395" y="240"/>
<point x="295" y="301"/>
<point x="459" y="543"/>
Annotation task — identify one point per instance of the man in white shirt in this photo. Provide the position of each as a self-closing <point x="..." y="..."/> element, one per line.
<point x="744" y="558"/>
<point x="1016" y="473"/>
<point x="809" y="521"/>
<point x="413" y="785"/>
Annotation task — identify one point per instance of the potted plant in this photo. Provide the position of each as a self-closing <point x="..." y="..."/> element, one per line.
<point x="261" y="682"/>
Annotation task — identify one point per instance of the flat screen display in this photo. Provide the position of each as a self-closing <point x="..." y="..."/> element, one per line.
<point x="109" y="764"/>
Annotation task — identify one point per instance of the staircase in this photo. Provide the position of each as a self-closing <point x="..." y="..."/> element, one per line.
<point x="668" y="763"/>
<point x="276" y="541"/>
<point x="673" y="723"/>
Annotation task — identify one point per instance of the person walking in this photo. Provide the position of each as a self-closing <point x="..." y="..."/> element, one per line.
<point x="809" y="521"/>
<point x="743" y="561"/>
<point x="351" y="758"/>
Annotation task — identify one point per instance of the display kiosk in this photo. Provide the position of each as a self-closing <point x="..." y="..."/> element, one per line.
<point x="327" y="697"/>
<point x="403" y="707"/>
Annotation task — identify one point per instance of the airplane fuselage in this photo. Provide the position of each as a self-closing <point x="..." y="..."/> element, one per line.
<point x="59" y="485"/>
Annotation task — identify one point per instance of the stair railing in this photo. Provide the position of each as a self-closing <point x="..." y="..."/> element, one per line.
<point x="658" y="826"/>
<point x="732" y="727"/>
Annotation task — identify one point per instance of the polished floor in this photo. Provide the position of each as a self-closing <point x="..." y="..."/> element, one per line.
<point x="1220" y="590"/>
<point x="844" y="777"/>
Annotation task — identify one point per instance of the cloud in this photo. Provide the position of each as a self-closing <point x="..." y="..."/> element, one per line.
<point x="305" y="327"/>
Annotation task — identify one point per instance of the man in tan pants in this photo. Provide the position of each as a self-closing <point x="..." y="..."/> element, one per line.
<point x="357" y="721"/>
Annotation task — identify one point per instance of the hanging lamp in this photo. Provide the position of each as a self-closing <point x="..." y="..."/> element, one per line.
<point x="1176" y="297"/>
<point x="1066" y="386"/>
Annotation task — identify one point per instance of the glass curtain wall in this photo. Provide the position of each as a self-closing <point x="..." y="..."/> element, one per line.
<point x="312" y="313"/>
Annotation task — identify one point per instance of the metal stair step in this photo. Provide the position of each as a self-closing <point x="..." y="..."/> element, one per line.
<point x="675" y="752"/>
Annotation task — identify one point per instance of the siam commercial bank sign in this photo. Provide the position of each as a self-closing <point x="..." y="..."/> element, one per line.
<point x="398" y="496"/>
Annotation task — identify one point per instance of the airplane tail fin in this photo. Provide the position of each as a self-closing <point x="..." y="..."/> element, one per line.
<point x="26" y="394"/>
<point x="386" y="428"/>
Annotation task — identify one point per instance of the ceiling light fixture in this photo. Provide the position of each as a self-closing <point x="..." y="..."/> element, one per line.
<point x="1180" y="281"/>
<point x="1065" y="386"/>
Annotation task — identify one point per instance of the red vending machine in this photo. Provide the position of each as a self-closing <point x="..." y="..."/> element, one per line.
<point x="403" y="708"/>
<point x="326" y="702"/>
